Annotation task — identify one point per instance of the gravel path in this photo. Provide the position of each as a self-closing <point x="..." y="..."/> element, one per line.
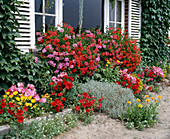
<point x="106" y="128"/>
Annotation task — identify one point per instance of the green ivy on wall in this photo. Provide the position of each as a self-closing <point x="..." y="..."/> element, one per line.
<point x="14" y="66"/>
<point x="154" y="31"/>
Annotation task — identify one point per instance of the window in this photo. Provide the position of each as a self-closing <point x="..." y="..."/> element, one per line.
<point x="114" y="17"/>
<point x="44" y="17"/>
<point x="92" y="13"/>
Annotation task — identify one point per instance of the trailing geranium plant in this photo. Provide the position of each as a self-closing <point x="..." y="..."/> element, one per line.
<point x="86" y="104"/>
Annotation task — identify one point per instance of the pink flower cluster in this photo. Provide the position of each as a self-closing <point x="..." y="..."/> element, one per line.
<point x="158" y="71"/>
<point x="28" y="91"/>
<point x="59" y="77"/>
<point x="128" y="76"/>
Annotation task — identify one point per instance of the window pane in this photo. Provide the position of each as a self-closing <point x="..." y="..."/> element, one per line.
<point x="50" y="7"/>
<point x="111" y="25"/>
<point x="38" y="22"/>
<point x="118" y="25"/>
<point x="38" y="6"/>
<point x="49" y="21"/>
<point x="111" y="13"/>
<point x="71" y="12"/>
<point x="118" y="11"/>
<point x="92" y="14"/>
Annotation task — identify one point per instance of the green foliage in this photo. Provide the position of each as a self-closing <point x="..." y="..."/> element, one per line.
<point x="154" y="31"/>
<point x="14" y="66"/>
<point x="43" y="129"/>
<point x="17" y="67"/>
<point x="140" y="116"/>
<point x="108" y="74"/>
<point x="115" y="96"/>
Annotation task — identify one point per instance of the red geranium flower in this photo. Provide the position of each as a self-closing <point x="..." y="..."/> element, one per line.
<point x="3" y="104"/>
<point x="60" y="94"/>
<point x="53" y="103"/>
<point x="77" y="108"/>
<point x="53" y="93"/>
<point x="20" y="119"/>
<point x="56" y="87"/>
<point x="1" y="111"/>
<point x="149" y="88"/>
<point x="60" y="83"/>
<point x="25" y="108"/>
<point x="19" y="112"/>
<point x="11" y="104"/>
<point x="51" y="83"/>
<point x="87" y="110"/>
<point x="63" y="99"/>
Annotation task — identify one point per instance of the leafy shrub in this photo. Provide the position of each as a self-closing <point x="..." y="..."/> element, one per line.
<point x="115" y="97"/>
<point x="111" y="73"/>
<point x="154" y="31"/>
<point x="81" y="54"/>
<point x="22" y="68"/>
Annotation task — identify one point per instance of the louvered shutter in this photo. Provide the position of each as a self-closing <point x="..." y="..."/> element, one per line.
<point x="134" y="18"/>
<point x="27" y="28"/>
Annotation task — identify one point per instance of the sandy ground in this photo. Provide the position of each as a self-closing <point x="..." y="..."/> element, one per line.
<point x="106" y="128"/>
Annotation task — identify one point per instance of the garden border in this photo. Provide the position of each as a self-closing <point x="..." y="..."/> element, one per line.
<point x="5" y="129"/>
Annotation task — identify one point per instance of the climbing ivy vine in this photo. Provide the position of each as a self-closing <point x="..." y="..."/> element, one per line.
<point x="154" y="31"/>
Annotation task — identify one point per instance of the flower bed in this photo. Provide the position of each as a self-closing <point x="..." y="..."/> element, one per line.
<point x="74" y="59"/>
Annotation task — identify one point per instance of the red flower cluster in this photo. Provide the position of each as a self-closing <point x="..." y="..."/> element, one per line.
<point x="88" y="103"/>
<point x="13" y="110"/>
<point x="57" y="104"/>
<point x="129" y="81"/>
<point x="60" y="83"/>
<point x="120" y="47"/>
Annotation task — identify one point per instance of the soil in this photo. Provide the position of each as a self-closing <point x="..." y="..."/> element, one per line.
<point x="104" y="127"/>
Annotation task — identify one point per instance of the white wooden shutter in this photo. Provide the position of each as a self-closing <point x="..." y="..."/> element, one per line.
<point x="134" y="18"/>
<point x="27" y="28"/>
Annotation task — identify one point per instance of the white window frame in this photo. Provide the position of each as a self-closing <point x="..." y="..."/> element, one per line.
<point x="106" y="14"/>
<point x="58" y="13"/>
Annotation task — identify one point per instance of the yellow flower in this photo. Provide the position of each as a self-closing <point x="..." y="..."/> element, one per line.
<point x="7" y="93"/>
<point x="118" y="61"/>
<point x="138" y="100"/>
<point x="159" y="97"/>
<point x="17" y="98"/>
<point x="31" y="107"/>
<point x="35" y="106"/>
<point x="108" y="62"/>
<point x="33" y="100"/>
<point x="169" y="66"/>
<point x="27" y="104"/>
<point x="129" y="102"/>
<point x="30" y="97"/>
<point x="106" y="65"/>
<point x="152" y="98"/>
<point x="15" y="93"/>
<point x="11" y="96"/>
<point x="4" y="96"/>
<point x="7" y="99"/>
<point x="140" y="105"/>
<point x="46" y="95"/>
<point x="147" y="96"/>
<point x="20" y="103"/>
<point x="50" y="98"/>
<point x="147" y="100"/>
<point x="22" y="98"/>
<point x="30" y="104"/>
